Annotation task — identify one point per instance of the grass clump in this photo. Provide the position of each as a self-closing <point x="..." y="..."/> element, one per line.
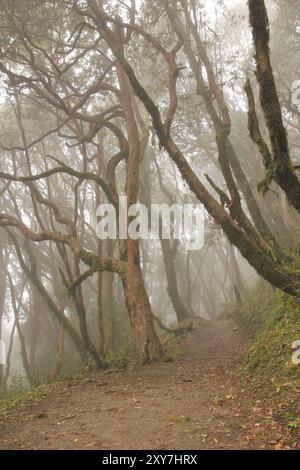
<point x="34" y="394"/>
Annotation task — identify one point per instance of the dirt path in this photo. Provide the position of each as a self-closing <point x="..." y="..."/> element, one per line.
<point x="195" y="402"/>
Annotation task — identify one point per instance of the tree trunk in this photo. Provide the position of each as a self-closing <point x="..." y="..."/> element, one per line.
<point x="100" y="159"/>
<point x="251" y="246"/>
<point x="16" y="310"/>
<point x="8" y="357"/>
<point x="279" y="164"/>
<point x="141" y="317"/>
<point x="140" y="312"/>
<point x="108" y="303"/>
<point x="59" y="315"/>
<point x="33" y="323"/>
<point x="2" y="301"/>
<point x="181" y="311"/>
<point x="59" y="355"/>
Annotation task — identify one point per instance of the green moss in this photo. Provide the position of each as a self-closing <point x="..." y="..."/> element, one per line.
<point x="294" y="424"/>
<point x="271" y="320"/>
<point x="270" y="355"/>
<point x="125" y="356"/>
<point x="172" y="341"/>
<point x="8" y="404"/>
<point x="172" y="347"/>
<point x="183" y="328"/>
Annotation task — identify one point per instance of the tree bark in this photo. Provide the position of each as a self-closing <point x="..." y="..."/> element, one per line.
<point x="278" y="164"/>
<point x="140" y="312"/>
<point x="181" y="311"/>
<point x="3" y="267"/>
<point x="141" y="317"/>
<point x="33" y="324"/>
<point x="59" y="355"/>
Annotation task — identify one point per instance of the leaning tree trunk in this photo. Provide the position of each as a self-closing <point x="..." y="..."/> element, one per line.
<point x="31" y="274"/>
<point x="237" y="227"/>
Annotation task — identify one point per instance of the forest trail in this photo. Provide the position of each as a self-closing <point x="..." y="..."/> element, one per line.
<point x="194" y="402"/>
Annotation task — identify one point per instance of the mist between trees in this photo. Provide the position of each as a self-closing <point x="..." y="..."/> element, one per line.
<point x="164" y="102"/>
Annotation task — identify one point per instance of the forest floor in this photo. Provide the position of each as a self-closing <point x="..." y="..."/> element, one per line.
<point x="198" y="401"/>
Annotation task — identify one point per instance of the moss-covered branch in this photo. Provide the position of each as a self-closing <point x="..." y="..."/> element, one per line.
<point x="281" y="169"/>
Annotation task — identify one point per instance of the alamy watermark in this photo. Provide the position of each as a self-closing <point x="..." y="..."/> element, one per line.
<point x="183" y="222"/>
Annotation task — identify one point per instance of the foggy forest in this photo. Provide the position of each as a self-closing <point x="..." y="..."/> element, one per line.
<point x="150" y="226"/>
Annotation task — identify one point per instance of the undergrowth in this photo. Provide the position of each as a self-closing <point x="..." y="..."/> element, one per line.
<point x="271" y="320"/>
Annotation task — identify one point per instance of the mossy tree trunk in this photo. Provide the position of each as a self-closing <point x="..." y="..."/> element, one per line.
<point x="277" y="160"/>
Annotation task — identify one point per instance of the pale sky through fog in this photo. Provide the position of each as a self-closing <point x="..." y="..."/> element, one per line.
<point x="210" y="5"/>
